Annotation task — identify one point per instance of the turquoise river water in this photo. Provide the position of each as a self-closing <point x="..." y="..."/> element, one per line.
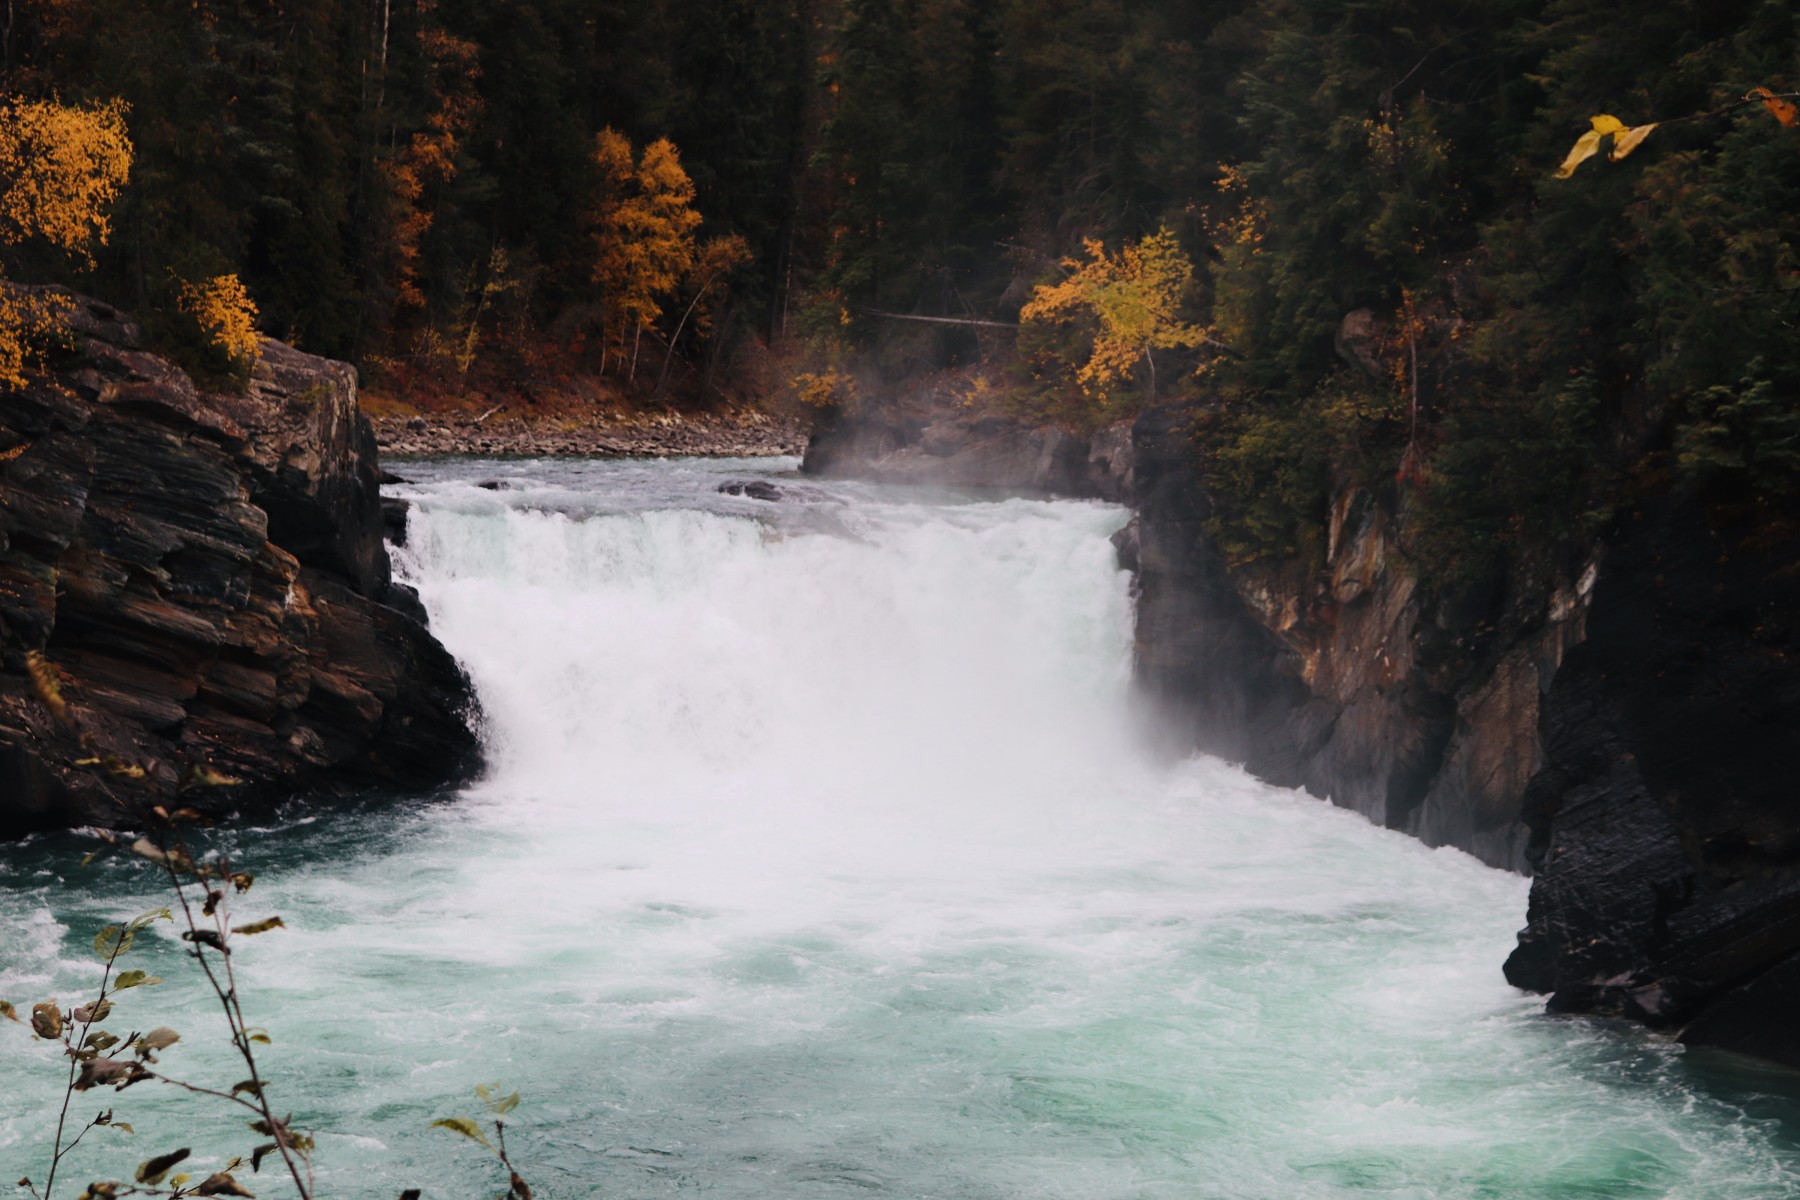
<point x="819" y="857"/>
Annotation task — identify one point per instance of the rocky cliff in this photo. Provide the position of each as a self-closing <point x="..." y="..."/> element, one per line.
<point x="1343" y="677"/>
<point x="1627" y="737"/>
<point x="206" y="575"/>
<point x="1665" y="828"/>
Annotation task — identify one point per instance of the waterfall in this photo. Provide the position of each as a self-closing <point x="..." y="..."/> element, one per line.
<point x="818" y="856"/>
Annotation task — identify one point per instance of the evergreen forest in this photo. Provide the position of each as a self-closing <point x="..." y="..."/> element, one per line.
<point x="1339" y="223"/>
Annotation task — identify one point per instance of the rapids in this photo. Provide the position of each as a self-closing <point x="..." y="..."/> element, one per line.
<point x="819" y="857"/>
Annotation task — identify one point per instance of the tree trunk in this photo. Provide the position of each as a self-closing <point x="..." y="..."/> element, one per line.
<point x="679" y="326"/>
<point x="965" y="321"/>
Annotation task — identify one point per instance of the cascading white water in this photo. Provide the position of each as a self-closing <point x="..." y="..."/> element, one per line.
<point x="817" y="858"/>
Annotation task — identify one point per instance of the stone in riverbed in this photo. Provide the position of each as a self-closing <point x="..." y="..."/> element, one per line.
<point x="751" y="489"/>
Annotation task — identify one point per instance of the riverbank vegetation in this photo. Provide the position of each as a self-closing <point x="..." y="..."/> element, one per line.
<point x="1374" y="271"/>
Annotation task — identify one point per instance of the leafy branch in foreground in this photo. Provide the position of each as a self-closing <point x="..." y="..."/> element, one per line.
<point x="102" y="1059"/>
<point x="499" y="1105"/>
<point x="99" y="1058"/>
<point x="203" y="888"/>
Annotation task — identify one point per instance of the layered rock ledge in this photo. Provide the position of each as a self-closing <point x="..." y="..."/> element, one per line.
<point x="206" y="574"/>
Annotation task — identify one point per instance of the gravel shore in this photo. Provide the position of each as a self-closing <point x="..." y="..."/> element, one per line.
<point x="743" y="434"/>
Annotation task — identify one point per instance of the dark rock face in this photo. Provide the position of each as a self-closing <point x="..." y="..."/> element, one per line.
<point x="394" y="514"/>
<point x="1336" y="677"/>
<point x="1223" y="682"/>
<point x="1664" y="828"/>
<point x="207" y="575"/>
<point x="927" y="437"/>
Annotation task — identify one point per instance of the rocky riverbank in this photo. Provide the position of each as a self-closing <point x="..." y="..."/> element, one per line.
<point x="205" y="576"/>
<point x="742" y="433"/>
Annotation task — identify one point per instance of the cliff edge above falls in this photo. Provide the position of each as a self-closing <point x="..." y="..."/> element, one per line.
<point x="207" y="575"/>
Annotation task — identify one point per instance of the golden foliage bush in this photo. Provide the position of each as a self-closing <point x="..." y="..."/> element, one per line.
<point x="23" y="318"/>
<point x="644" y="225"/>
<point x="225" y="316"/>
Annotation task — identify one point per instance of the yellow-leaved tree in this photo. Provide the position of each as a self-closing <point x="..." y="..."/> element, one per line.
<point x="1134" y="297"/>
<point x="226" y="317"/>
<point x="61" y="167"/>
<point x="644" y="224"/>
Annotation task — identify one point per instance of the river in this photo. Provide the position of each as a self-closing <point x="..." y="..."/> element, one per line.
<point x="820" y="856"/>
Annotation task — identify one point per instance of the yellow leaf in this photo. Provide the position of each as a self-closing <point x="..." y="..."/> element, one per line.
<point x="463" y="1126"/>
<point x="1588" y="144"/>
<point x="1585" y="147"/>
<point x="1631" y="139"/>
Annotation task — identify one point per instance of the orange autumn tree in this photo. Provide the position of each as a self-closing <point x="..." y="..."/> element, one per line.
<point x="422" y="168"/>
<point x="61" y="167"/>
<point x="644" y="225"/>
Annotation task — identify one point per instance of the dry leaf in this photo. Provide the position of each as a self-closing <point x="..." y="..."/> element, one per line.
<point x="1782" y="110"/>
